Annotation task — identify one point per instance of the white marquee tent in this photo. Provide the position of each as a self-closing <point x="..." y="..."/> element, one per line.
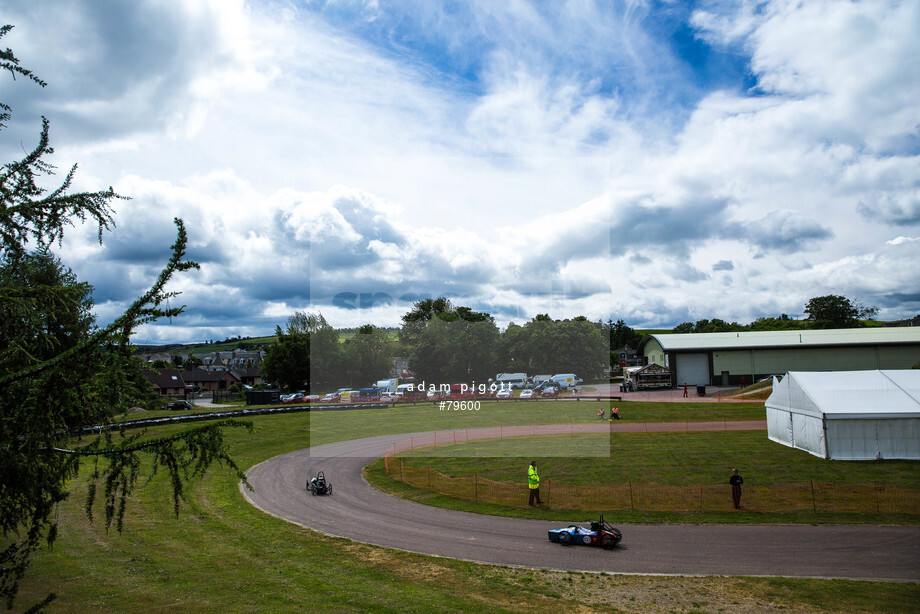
<point x="847" y="415"/>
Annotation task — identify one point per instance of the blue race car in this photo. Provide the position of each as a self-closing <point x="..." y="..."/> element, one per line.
<point x="600" y="533"/>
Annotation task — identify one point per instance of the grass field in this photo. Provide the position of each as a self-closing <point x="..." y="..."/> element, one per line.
<point x="222" y="555"/>
<point x="660" y="458"/>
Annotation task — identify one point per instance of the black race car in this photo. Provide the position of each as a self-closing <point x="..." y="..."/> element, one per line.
<point x="317" y="485"/>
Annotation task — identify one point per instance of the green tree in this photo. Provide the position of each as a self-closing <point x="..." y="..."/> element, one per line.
<point x="580" y="347"/>
<point x="783" y="322"/>
<point x="56" y="311"/>
<point x="835" y="311"/>
<point x="429" y="357"/>
<point x="287" y="362"/>
<point x="621" y="334"/>
<point x="448" y="344"/>
<point x="568" y="346"/>
<point x="326" y="354"/>
<point x="415" y="320"/>
<point x="708" y="326"/>
<point x="60" y="373"/>
<point x="368" y="356"/>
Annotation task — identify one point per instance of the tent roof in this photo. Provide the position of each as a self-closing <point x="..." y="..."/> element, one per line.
<point x="849" y="394"/>
<point x="785" y="338"/>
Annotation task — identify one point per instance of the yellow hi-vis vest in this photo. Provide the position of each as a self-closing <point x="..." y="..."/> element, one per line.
<point x="533" y="480"/>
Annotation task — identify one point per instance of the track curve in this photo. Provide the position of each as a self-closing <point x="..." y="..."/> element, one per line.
<point x="360" y="512"/>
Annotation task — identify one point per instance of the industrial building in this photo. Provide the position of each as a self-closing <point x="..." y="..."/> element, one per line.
<point x="726" y="359"/>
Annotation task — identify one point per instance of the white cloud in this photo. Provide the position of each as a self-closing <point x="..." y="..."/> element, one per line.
<point x="561" y="158"/>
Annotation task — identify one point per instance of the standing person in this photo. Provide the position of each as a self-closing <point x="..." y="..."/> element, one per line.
<point x="685" y="389"/>
<point x="736" y="481"/>
<point x="533" y="481"/>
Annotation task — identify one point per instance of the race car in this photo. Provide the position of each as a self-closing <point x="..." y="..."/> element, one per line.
<point x="318" y="485"/>
<point x="600" y="534"/>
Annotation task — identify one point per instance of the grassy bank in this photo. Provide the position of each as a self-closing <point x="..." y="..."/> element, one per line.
<point x="222" y="555"/>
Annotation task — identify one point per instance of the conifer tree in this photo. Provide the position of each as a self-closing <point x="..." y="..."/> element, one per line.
<point x="60" y="373"/>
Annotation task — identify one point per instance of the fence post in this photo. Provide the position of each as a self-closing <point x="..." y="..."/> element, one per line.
<point x="476" y="488"/>
<point x="877" y="510"/>
<point x="401" y="477"/>
<point x="549" y="490"/>
<point x="814" y="504"/>
<point x="632" y="506"/>
<point x="701" y="496"/>
<point x="429" y="476"/>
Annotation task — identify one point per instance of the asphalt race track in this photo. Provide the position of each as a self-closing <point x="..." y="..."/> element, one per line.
<point x="360" y="512"/>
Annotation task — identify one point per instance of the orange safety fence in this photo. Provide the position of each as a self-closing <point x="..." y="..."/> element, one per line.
<point x="810" y="496"/>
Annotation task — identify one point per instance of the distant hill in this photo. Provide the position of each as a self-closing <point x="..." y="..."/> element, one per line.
<point x="227" y="345"/>
<point x="241" y="343"/>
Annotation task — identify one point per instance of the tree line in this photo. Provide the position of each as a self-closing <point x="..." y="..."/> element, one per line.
<point x="822" y="312"/>
<point x="443" y="343"/>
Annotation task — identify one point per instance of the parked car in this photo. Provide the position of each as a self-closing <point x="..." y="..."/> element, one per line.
<point x="180" y="406"/>
<point x="297" y="397"/>
<point x="527" y="394"/>
<point x="504" y="393"/>
<point x="330" y="398"/>
<point x="549" y="391"/>
<point x="311" y="398"/>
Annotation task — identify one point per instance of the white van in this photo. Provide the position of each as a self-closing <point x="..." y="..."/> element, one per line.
<point x="511" y="380"/>
<point x="539" y="379"/>
<point x="565" y="380"/>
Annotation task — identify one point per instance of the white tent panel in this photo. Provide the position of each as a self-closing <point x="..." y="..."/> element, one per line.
<point x="851" y="440"/>
<point x="855" y="392"/>
<point x="808" y="434"/>
<point x="779" y="427"/>
<point x="908" y="381"/>
<point x="899" y="439"/>
<point x="855" y="415"/>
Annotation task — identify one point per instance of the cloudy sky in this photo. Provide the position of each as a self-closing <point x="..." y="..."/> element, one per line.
<point x="658" y="162"/>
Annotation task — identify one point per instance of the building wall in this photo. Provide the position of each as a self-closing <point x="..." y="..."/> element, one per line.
<point x="778" y="361"/>
<point x="899" y="357"/>
<point x="654" y="353"/>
